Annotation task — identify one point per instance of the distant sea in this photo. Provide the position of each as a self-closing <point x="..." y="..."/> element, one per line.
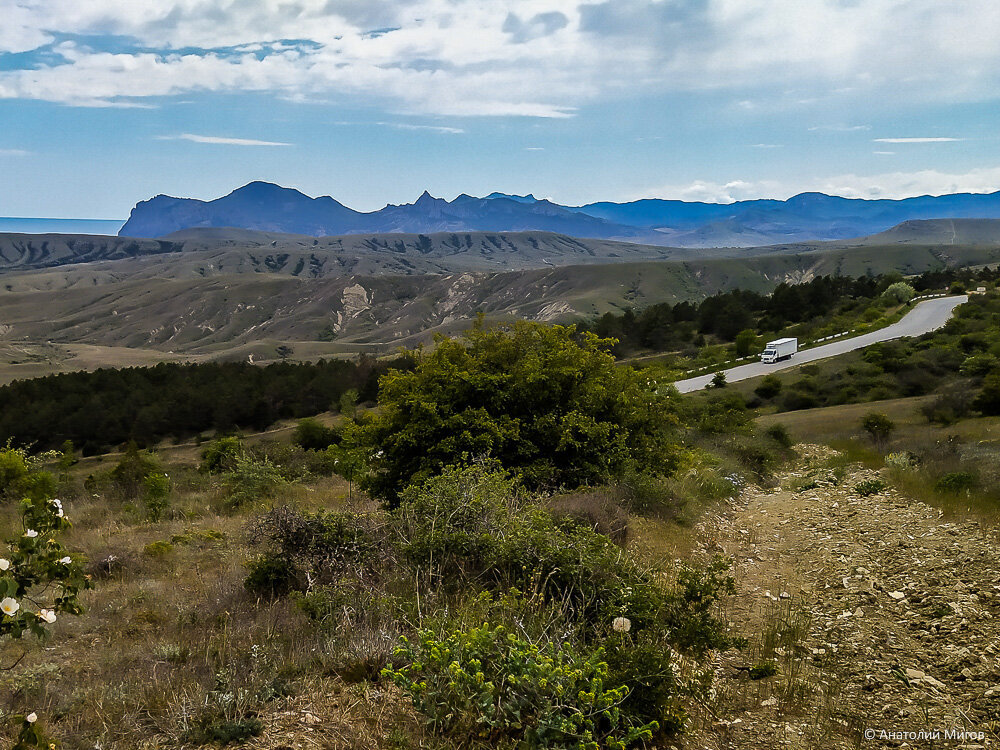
<point x="60" y="226"/>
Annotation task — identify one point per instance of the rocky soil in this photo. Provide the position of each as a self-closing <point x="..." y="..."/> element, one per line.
<point x="882" y="616"/>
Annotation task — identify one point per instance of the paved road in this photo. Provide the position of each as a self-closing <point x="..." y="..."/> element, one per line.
<point x="926" y="316"/>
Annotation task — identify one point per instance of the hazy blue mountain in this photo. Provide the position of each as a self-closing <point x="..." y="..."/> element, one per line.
<point x="270" y="208"/>
<point x="265" y="207"/>
<point x="807" y="216"/>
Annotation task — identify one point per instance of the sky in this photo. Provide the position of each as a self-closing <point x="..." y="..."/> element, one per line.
<point x="104" y="103"/>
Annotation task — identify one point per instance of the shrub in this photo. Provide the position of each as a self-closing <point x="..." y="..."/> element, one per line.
<point x="902" y="460"/>
<point x="978" y="365"/>
<point x="956" y="482"/>
<point x="313" y="549"/>
<point x="898" y="293"/>
<point x="779" y="434"/>
<point x="220" y="455"/>
<point x="314" y="436"/>
<point x="20" y="476"/>
<point x="157" y="490"/>
<point x="718" y="380"/>
<point x="879" y="427"/>
<point x="869" y="487"/>
<point x="769" y="387"/>
<point x="547" y="402"/>
<point x="988" y="398"/>
<point x="952" y="404"/>
<point x="251" y="479"/>
<point x="493" y="685"/>
<point x="128" y="478"/>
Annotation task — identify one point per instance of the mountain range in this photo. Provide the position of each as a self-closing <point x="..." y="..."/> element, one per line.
<point x="263" y="206"/>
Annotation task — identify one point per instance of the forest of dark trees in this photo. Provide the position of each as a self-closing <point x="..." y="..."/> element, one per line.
<point x="670" y="327"/>
<point x="103" y="409"/>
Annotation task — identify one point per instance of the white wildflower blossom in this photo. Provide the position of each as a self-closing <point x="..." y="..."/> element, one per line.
<point x="31" y="718"/>
<point x="9" y="606"/>
<point x="48" y="615"/>
<point x="31" y="533"/>
<point x="621" y="625"/>
<point x="4" y="564"/>
<point x="67" y="560"/>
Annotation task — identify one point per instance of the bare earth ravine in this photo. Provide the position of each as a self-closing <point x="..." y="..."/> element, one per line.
<point x="882" y="615"/>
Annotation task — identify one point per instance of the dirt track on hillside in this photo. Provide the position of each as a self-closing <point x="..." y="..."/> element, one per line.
<point x="883" y="618"/>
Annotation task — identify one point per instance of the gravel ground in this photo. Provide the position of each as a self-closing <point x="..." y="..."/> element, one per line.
<point x="882" y="616"/>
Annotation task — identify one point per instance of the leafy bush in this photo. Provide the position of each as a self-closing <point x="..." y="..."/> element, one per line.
<point x="956" y="482"/>
<point x="251" y="479"/>
<point x="20" y="477"/>
<point x="902" y="460"/>
<point x="312" y="435"/>
<point x="545" y="401"/>
<point x="869" y="487"/>
<point x="769" y="387"/>
<point x="898" y="293"/>
<point x="220" y="455"/>
<point x="493" y="685"/>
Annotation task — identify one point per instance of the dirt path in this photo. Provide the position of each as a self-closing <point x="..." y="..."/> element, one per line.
<point x="882" y="616"/>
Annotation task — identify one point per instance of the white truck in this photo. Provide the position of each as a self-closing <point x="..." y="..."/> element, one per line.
<point x="779" y="349"/>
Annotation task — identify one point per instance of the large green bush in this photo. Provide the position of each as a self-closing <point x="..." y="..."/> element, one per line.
<point x="498" y="687"/>
<point x="547" y="402"/>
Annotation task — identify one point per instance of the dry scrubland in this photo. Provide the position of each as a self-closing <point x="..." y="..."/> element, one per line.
<point x="173" y="649"/>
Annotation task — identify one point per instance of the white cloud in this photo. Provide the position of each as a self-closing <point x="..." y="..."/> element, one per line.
<point x="841" y="128"/>
<point x="433" y="128"/>
<point x="767" y="145"/>
<point x="14" y="152"/>
<point x="884" y="153"/>
<point x="536" y="58"/>
<point x="214" y="139"/>
<point x="917" y="140"/>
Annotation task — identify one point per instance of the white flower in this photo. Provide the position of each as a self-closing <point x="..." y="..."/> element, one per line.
<point x="621" y="625"/>
<point x="31" y="718"/>
<point x="4" y="564"/>
<point x="57" y="504"/>
<point x="31" y="533"/>
<point x="48" y="615"/>
<point x="9" y="606"/>
<point x="67" y="560"/>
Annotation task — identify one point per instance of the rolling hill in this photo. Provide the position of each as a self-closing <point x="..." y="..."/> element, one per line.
<point x="204" y="252"/>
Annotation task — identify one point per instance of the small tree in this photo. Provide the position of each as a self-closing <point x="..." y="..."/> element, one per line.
<point x="879" y="427"/>
<point x="898" y="293"/>
<point x="348" y="403"/>
<point x="284" y="352"/>
<point x="718" y="380"/>
<point x="746" y="342"/>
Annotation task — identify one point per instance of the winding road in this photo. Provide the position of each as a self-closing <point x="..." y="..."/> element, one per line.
<point x="925" y="317"/>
